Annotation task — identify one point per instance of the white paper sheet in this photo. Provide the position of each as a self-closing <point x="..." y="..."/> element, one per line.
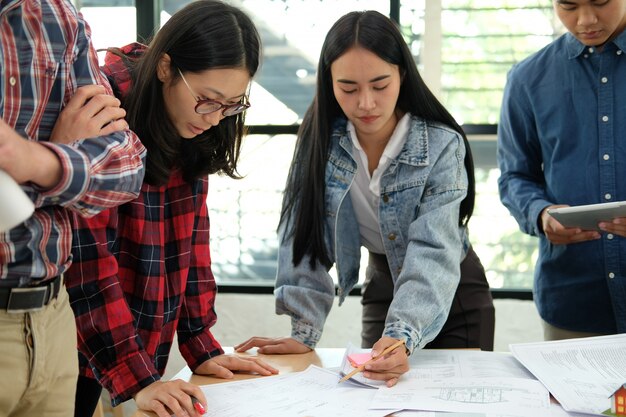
<point x="507" y="396"/>
<point x="555" y="411"/>
<point x="580" y="373"/>
<point x="437" y="364"/>
<point x="454" y="380"/>
<point x="311" y="393"/>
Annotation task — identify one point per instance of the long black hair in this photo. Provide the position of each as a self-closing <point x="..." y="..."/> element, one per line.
<point x="203" y="35"/>
<point x="303" y="202"/>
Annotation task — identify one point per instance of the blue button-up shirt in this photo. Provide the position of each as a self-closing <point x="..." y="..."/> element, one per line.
<point x="562" y="140"/>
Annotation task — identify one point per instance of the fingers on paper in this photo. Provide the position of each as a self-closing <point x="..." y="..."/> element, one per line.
<point x="389" y="375"/>
<point x="390" y="366"/>
<point x="391" y="382"/>
<point x="165" y="398"/>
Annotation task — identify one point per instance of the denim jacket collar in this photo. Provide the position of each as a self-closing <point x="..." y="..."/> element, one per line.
<point x="414" y="152"/>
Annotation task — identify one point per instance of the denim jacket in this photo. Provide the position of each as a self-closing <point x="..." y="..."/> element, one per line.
<point x="420" y="196"/>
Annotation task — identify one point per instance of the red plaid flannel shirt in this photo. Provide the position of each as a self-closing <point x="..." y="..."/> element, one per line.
<point x="142" y="272"/>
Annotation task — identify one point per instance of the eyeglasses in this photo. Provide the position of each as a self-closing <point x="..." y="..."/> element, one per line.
<point x="206" y="106"/>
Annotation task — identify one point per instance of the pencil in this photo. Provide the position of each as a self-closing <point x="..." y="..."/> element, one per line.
<point x="362" y="366"/>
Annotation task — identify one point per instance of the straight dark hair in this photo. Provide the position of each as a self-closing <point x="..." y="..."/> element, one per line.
<point x="303" y="211"/>
<point x="205" y="34"/>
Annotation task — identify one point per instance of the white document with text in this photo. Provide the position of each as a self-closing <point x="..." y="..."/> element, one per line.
<point x="580" y="373"/>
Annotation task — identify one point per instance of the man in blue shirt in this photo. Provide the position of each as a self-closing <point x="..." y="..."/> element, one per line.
<point x="562" y="142"/>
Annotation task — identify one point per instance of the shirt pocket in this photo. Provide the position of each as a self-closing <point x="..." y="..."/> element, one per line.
<point x="46" y="91"/>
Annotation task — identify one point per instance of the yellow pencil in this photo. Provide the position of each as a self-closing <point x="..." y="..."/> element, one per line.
<point x="362" y="366"/>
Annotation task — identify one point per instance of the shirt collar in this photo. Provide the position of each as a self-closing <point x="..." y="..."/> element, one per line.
<point x="396" y="142"/>
<point x="575" y="48"/>
<point x="620" y="41"/>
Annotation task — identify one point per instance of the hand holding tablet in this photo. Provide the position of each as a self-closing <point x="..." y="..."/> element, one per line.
<point x="588" y="216"/>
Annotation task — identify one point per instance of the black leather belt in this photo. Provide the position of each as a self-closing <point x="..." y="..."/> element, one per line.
<point x="27" y="299"/>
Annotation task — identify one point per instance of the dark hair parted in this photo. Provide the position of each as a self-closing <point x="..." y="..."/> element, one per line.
<point x="303" y="203"/>
<point x="203" y="35"/>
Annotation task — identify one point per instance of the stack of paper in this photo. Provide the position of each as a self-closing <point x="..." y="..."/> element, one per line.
<point x="580" y="373"/>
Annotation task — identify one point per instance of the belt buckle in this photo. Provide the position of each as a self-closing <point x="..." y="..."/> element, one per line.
<point x="24" y="300"/>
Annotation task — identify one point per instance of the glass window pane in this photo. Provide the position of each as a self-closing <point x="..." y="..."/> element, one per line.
<point x="292" y="32"/>
<point x="481" y="40"/>
<point x="244" y="213"/>
<point x="100" y="14"/>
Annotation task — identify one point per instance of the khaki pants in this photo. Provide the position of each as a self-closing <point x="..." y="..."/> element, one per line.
<point x="39" y="361"/>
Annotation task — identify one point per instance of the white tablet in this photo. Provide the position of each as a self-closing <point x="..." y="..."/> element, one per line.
<point x="588" y="216"/>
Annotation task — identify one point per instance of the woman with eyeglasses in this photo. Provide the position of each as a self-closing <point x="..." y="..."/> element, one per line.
<point x="379" y="163"/>
<point x="142" y="272"/>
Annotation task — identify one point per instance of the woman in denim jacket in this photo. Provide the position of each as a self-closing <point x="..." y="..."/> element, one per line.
<point x="379" y="163"/>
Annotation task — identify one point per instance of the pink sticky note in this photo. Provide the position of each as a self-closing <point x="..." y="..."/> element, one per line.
<point x="358" y="359"/>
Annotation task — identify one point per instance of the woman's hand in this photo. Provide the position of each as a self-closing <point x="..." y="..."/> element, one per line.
<point x="222" y="366"/>
<point x="171" y="397"/>
<point x="268" y="346"/>
<point x="89" y="113"/>
<point x="391" y="366"/>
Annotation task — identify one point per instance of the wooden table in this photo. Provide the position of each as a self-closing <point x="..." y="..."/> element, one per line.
<point x="322" y="357"/>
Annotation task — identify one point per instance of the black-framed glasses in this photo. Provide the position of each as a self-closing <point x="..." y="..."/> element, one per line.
<point x="207" y="106"/>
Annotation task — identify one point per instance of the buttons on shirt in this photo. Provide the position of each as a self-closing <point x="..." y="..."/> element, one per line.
<point x="12" y="81"/>
<point x="610" y="236"/>
<point x="391" y="236"/>
<point x="385" y="198"/>
<point x="605" y="118"/>
<point x="611" y="275"/>
<point x="607" y="196"/>
<point x="590" y="50"/>
<point x="619" y="52"/>
<point x="604" y="80"/>
<point x="606" y="157"/>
